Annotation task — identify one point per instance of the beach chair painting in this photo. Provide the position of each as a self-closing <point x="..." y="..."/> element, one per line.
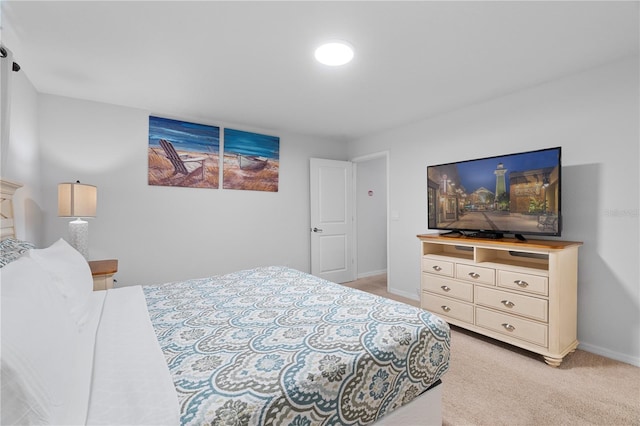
<point x="183" y="154"/>
<point x="251" y="161"/>
<point x="180" y="161"/>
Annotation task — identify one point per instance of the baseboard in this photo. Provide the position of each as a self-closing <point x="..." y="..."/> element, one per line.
<point x="628" y="359"/>
<point x="371" y="273"/>
<point x="403" y="294"/>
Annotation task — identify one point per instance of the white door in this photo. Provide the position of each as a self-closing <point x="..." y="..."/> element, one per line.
<point x="332" y="220"/>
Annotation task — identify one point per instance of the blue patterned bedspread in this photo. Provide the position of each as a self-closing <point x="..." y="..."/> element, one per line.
<point x="276" y="346"/>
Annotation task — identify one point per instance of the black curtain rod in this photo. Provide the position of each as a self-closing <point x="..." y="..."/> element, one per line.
<point x="3" y="52"/>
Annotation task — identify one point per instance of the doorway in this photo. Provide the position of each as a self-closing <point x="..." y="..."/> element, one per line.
<point x="371" y="214"/>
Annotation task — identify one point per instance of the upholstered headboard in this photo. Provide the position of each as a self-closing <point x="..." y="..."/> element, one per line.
<point x="7" y="189"/>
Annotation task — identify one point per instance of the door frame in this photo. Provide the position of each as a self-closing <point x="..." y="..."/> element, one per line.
<point x="355" y="161"/>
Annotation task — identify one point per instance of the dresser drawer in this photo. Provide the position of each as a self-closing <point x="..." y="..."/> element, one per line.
<point x="447" y="287"/>
<point x="524" y="282"/>
<point x="447" y="307"/>
<point x="437" y="266"/>
<point x="476" y="274"/>
<point x="513" y="303"/>
<point x="512" y="326"/>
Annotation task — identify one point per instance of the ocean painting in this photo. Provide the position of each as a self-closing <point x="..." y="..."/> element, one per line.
<point x="183" y="154"/>
<point x="251" y="161"/>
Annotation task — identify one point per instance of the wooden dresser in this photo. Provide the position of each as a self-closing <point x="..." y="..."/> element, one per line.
<point x="520" y="292"/>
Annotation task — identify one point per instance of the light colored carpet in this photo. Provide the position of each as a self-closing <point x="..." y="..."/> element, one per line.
<point x="491" y="383"/>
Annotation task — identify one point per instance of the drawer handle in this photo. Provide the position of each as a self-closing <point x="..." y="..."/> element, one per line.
<point x="521" y="283"/>
<point x="445" y="288"/>
<point x="445" y="308"/>
<point x="508" y="326"/>
<point x="436" y="268"/>
<point x="474" y="275"/>
<point x="508" y="303"/>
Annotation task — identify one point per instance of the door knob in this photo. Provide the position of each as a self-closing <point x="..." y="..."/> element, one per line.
<point x="317" y="230"/>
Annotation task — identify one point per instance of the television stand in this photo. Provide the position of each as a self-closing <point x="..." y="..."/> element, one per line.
<point x="488" y="235"/>
<point x="521" y="293"/>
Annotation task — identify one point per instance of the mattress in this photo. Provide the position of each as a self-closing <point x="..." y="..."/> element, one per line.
<point x="275" y="346"/>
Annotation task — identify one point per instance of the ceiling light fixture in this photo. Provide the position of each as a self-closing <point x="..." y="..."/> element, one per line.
<point x="334" y="53"/>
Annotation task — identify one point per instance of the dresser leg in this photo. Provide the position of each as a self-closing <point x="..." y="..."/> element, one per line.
<point x="553" y="362"/>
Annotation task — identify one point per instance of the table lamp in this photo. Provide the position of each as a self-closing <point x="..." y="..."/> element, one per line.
<point x="78" y="200"/>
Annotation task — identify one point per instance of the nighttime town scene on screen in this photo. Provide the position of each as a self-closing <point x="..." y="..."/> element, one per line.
<point x="517" y="193"/>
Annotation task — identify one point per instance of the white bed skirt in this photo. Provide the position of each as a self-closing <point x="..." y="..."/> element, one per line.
<point x="425" y="410"/>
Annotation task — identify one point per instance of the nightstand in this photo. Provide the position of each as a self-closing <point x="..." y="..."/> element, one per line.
<point x="102" y="271"/>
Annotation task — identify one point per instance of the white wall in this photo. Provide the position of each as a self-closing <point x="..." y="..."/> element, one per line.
<point x="162" y="234"/>
<point x="371" y="213"/>
<point x="22" y="162"/>
<point x="594" y="117"/>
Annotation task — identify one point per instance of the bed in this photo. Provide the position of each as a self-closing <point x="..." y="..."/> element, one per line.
<point x="269" y="346"/>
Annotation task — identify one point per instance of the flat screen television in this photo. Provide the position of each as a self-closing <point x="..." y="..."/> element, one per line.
<point x="488" y="197"/>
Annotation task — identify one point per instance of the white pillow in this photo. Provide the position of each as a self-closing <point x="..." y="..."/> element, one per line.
<point x="71" y="274"/>
<point x="19" y="404"/>
<point x="39" y="338"/>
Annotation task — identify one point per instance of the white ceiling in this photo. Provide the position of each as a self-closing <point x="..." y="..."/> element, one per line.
<point x="251" y="63"/>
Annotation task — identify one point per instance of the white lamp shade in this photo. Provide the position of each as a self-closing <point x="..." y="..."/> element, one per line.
<point x="77" y="200"/>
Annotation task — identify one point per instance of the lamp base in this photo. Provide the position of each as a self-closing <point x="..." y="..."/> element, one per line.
<point x="79" y="236"/>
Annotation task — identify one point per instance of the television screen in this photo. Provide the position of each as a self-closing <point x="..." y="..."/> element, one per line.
<point x="515" y="194"/>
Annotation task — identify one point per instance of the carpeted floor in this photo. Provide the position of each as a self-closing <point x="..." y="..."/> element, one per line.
<point x="491" y="383"/>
